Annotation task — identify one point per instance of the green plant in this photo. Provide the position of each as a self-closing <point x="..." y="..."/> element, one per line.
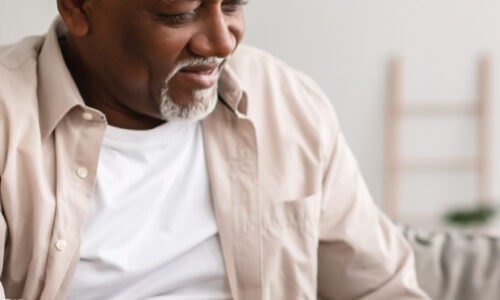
<point x="478" y="215"/>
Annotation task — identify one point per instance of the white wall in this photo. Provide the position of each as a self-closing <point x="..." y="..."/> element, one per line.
<point x="25" y="17"/>
<point x="345" y="46"/>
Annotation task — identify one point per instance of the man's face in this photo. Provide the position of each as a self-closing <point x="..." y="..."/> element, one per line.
<point x="162" y="58"/>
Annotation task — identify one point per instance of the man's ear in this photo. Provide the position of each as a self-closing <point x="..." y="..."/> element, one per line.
<point x="75" y="14"/>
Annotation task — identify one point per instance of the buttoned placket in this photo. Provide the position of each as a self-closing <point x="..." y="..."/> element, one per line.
<point x="232" y="158"/>
<point x="248" y="211"/>
<point x="78" y="139"/>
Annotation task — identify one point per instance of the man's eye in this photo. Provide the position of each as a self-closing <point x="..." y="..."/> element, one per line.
<point x="233" y="5"/>
<point x="178" y="19"/>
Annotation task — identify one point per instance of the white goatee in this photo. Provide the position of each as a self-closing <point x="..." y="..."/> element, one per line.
<point x="203" y="102"/>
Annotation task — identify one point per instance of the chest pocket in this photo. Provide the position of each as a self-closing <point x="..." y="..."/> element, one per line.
<point x="290" y="247"/>
<point x="291" y="214"/>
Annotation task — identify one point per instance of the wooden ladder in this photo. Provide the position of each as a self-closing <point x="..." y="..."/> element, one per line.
<point x="397" y="111"/>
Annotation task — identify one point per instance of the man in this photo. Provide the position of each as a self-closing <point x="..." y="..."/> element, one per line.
<point x="144" y="156"/>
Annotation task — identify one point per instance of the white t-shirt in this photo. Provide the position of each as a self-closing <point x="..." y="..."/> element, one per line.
<point x="151" y="231"/>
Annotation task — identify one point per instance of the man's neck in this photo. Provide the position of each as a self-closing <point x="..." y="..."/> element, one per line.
<point x="97" y="96"/>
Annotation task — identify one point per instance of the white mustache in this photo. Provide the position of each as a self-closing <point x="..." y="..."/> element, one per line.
<point x="194" y="62"/>
<point x="200" y="61"/>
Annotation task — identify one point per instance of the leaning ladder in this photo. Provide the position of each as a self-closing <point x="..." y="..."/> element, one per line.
<point x="397" y="111"/>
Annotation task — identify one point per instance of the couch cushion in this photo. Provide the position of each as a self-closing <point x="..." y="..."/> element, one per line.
<point x="452" y="265"/>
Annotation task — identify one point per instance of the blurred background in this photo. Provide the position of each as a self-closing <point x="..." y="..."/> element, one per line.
<point x="346" y="46"/>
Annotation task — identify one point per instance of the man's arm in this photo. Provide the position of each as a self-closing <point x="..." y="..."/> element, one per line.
<point x="361" y="253"/>
<point x="3" y="155"/>
<point x="3" y="236"/>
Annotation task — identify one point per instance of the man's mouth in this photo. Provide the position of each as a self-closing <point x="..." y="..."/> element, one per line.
<point x="200" y="76"/>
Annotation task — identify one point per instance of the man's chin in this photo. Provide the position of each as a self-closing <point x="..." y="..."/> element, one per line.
<point x="195" y="108"/>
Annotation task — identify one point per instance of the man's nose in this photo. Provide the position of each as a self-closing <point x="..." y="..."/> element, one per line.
<point x="214" y="38"/>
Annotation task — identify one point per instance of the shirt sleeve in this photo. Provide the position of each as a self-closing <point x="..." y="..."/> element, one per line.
<point x="361" y="253"/>
<point x="3" y="236"/>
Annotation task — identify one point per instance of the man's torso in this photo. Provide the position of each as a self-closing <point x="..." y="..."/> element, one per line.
<point x="265" y="160"/>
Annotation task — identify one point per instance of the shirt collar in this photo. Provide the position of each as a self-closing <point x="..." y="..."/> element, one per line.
<point x="232" y="92"/>
<point x="57" y="91"/>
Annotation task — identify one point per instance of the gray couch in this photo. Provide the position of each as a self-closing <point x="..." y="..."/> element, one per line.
<point x="456" y="266"/>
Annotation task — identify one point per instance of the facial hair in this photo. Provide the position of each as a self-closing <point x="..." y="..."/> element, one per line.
<point x="203" y="101"/>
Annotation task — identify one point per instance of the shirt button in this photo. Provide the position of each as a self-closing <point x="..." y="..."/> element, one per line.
<point x="87" y="116"/>
<point x="82" y="172"/>
<point x="61" y="245"/>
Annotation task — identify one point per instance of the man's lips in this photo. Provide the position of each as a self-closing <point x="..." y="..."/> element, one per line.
<point x="199" y="77"/>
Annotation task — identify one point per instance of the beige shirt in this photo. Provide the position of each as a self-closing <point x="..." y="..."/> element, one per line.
<point x="295" y="218"/>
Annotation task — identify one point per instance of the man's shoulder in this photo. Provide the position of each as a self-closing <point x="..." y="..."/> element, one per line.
<point x="271" y="82"/>
<point x="258" y="69"/>
<point x="248" y="61"/>
<point x="245" y="53"/>
<point x="18" y="85"/>
<point x="13" y="56"/>
<point x="18" y="70"/>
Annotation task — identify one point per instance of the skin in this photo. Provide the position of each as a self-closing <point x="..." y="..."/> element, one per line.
<point x="120" y="52"/>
